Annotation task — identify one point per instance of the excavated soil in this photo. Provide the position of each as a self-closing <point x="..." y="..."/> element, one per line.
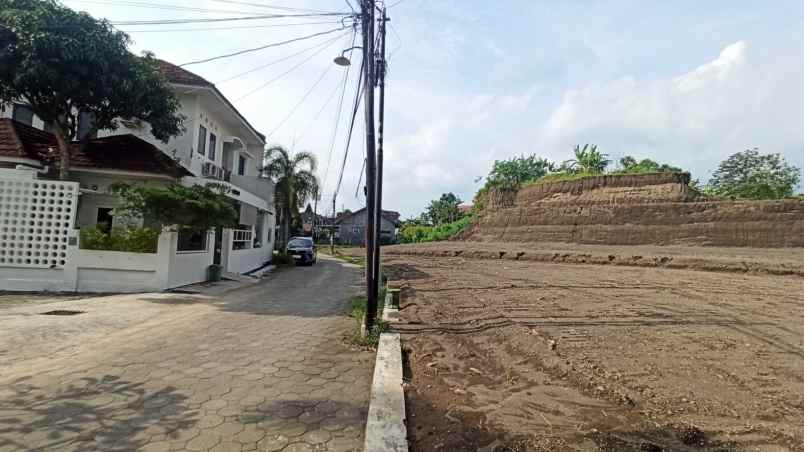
<point x="515" y="355"/>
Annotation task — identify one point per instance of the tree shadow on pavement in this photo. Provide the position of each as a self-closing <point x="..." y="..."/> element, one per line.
<point x="107" y="413"/>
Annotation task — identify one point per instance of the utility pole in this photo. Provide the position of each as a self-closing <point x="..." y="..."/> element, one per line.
<point x="367" y="11"/>
<point x="381" y="66"/>
<point x="332" y="227"/>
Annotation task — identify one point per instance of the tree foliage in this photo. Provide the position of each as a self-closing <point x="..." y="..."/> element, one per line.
<point x="587" y="160"/>
<point x="201" y="207"/>
<point x="630" y="165"/>
<point x="752" y="175"/>
<point x="64" y="62"/>
<point x="444" y="210"/>
<point x="514" y="172"/>
<point x="295" y="179"/>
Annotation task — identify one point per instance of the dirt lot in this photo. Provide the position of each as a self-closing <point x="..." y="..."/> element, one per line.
<point x="528" y="355"/>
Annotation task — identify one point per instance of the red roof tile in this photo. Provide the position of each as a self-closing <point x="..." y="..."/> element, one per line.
<point x="117" y="152"/>
<point x="180" y="76"/>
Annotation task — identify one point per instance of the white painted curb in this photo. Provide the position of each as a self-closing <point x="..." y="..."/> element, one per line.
<point x="385" y="429"/>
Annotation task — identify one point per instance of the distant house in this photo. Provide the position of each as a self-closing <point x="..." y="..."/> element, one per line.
<point x="352" y="227"/>
<point x="310" y="220"/>
<point x="465" y="209"/>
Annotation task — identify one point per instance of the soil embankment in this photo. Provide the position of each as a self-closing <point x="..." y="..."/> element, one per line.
<point x="655" y="209"/>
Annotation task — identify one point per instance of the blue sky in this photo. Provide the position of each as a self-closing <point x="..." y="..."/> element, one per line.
<point x="683" y="82"/>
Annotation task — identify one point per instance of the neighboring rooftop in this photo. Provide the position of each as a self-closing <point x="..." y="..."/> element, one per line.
<point x="389" y="215"/>
<point x="116" y="152"/>
<point x="180" y="76"/>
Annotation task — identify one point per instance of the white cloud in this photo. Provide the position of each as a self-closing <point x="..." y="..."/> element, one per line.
<point x="694" y="120"/>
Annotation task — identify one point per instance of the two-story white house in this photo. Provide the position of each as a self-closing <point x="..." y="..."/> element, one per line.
<point x="219" y="145"/>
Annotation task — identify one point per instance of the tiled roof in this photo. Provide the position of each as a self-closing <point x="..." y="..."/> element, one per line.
<point x="389" y="215"/>
<point x="181" y="76"/>
<point x="117" y="152"/>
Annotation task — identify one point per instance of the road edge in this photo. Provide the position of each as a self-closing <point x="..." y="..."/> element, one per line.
<point x="386" y="429"/>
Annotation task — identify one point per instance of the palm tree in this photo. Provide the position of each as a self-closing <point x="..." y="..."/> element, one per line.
<point x="588" y="160"/>
<point x="295" y="179"/>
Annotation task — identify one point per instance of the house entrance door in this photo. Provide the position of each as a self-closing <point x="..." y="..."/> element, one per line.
<point x="217" y="258"/>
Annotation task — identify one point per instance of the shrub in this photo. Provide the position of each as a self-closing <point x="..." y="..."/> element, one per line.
<point x="418" y="234"/>
<point x="132" y="240"/>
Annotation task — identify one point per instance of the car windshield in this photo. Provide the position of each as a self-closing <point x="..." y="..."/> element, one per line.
<point x="300" y="243"/>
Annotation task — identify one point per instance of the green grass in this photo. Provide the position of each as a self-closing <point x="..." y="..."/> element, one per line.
<point x="357" y="310"/>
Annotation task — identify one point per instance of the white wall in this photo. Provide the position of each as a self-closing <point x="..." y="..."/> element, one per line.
<point x="6" y="112"/>
<point x="188" y="267"/>
<point x="115" y="271"/>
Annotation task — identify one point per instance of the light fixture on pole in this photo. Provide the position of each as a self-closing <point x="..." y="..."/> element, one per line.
<point x="342" y="60"/>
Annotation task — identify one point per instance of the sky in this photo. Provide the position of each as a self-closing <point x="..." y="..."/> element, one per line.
<point x="470" y="82"/>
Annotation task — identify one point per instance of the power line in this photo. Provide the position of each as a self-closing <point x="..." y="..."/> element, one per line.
<point x="163" y="6"/>
<point x="263" y="66"/>
<point x="243" y="27"/>
<point x="293" y="110"/>
<point x="226" y="19"/>
<point x="358" y="96"/>
<point x="282" y="74"/>
<point x="395" y="3"/>
<point x="338" y="115"/>
<point x="360" y="179"/>
<point x="275" y="44"/>
<point x="263" y="5"/>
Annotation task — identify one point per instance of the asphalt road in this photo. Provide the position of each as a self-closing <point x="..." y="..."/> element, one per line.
<point x="264" y="367"/>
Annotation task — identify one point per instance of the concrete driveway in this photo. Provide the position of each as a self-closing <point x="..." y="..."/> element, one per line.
<point x="265" y="368"/>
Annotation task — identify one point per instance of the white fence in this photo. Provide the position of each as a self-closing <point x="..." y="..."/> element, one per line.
<point x="36" y="217"/>
<point x="39" y="247"/>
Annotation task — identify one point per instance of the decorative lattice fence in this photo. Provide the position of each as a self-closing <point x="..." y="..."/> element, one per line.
<point x="36" y="217"/>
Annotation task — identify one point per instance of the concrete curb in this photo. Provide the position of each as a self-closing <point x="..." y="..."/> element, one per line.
<point x="390" y="311"/>
<point x="385" y="429"/>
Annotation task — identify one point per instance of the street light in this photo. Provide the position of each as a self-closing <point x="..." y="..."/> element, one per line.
<point x="342" y="60"/>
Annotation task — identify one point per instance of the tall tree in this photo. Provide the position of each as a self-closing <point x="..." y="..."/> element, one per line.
<point x="64" y="63"/>
<point x="296" y="183"/>
<point x="752" y="175"/>
<point x="587" y="160"/>
<point x="445" y="209"/>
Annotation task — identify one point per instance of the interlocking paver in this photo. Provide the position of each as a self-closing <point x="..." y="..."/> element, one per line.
<point x="261" y="368"/>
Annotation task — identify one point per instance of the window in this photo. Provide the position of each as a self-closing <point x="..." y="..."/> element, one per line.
<point x="85" y="120"/>
<point x="213" y="145"/>
<point x="202" y="140"/>
<point x="258" y="228"/>
<point x="104" y="219"/>
<point x="22" y="113"/>
<point x="192" y="240"/>
<point x="241" y="165"/>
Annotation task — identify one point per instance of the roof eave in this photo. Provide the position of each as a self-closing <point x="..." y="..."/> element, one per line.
<point x="260" y="137"/>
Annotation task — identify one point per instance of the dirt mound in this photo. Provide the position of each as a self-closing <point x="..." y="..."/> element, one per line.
<point x="636" y="210"/>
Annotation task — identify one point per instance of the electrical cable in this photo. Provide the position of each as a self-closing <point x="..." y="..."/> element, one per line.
<point x="274" y="44"/>
<point x="271" y="63"/>
<point x="223" y="19"/>
<point x="171" y="30"/>
<point x="293" y="110"/>
<point x="359" y="95"/>
<point x="263" y="5"/>
<point x="338" y="116"/>
<point x="163" y="6"/>
<point x="283" y="74"/>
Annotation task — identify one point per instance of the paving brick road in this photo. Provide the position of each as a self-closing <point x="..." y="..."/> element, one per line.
<point x="261" y="368"/>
